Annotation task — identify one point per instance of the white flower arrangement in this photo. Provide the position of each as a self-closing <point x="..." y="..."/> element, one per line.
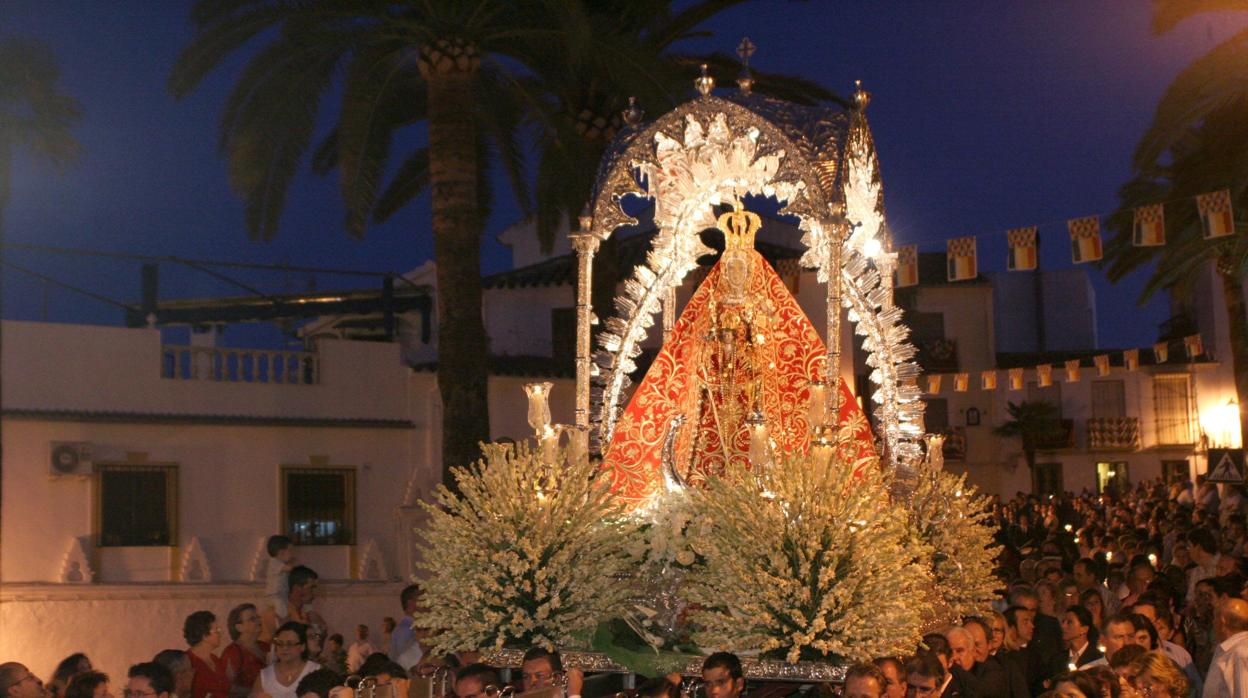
<point x="951" y="519"/>
<point x="806" y="558"/>
<point x="528" y="553"/>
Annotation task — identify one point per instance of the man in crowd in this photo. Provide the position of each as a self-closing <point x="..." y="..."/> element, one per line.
<point x="149" y="680"/>
<point x="1117" y="631"/>
<point x="1087" y="576"/>
<point x="1204" y="551"/>
<point x="864" y="681"/>
<point x="405" y="645"/>
<point x="1228" y="674"/>
<point x="179" y="667"/>
<point x="542" y="668"/>
<point x="993" y="676"/>
<point x="722" y="676"/>
<point x="1076" y="623"/>
<point x="16" y="681"/>
<point x="304" y="583"/>
<point x="473" y="680"/>
<point x="360" y="649"/>
<point x="927" y="678"/>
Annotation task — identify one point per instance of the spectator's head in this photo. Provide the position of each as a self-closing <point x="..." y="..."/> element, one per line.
<point x="381" y="667"/>
<point x="473" y="680"/>
<point x="1202" y="545"/>
<point x="201" y="627"/>
<point x="1227" y="586"/>
<point x="1140" y="577"/>
<point x="924" y="675"/>
<point x="291" y="641"/>
<point x="894" y="673"/>
<point x="361" y="632"/>
<point x="387" y="625"/>
<point x="1076" y="622"/>
<point x="1076" y="684"/>
<point x="1106" y="681"/>
<point x="1025" y="597"/>
<point x="333" y="643"/>
<point x="1086" y="573"/>
<point x="722" y="675"/>
<point x="16" y="681"/>
<point x="318" y="684"/>
<point x="179" y="667"/>
<point x="303" y="584"/>
<point x="1124" y="657"/>
<point x="1020" y="625"/>
<point x="961" y="647"/>
<point x="1158" y="676"/>
<point x="864" y="680"/>
<point x="1092" y="600"/>
<point x="996" y="637"/>
<point x="1163" y="620"/>
<point x="75" y="663"/>
<point x="1117" y="632"/>
<point x="1230" y="618"/>
<point x="243" y="620"/>
<point x="150" y="680"/>
<point x="88" y="684"/>
<point x="980" y="632"/>
<point x="409" y="599"/>
<point x="658" y="688"/>
<point x="540" y="668"/>
<point x="280" y="547"/>
<point x="939" y="646"/>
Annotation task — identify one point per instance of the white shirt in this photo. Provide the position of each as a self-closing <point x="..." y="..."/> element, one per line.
<point x="357" y="653"/>
<point x="271" y="686"/>
<point x="1228" y="673"/>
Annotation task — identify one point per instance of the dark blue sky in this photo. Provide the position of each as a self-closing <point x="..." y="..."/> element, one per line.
<point x="988" y="115"/>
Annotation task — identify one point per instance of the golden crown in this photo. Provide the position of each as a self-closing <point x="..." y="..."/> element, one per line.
<point x="739" y="227"/>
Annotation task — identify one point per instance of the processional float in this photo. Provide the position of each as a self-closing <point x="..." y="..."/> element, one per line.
<point x="742" y="389"/>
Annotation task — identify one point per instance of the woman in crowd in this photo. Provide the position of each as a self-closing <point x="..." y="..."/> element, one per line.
<point x="88" y="684"/>
<point x="1091" y="600"/>
<point x="203" y="638"/>
<point x="246" y="655"/>
<point x="282" y="677"/>
<point x="73" y="664"/>
<point x="1159" y="677"/>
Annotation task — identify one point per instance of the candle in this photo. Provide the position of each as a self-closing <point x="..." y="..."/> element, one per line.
<point x="539" y="406"/>
<point x="817" y="411"/>
<point x="759" y="438"/>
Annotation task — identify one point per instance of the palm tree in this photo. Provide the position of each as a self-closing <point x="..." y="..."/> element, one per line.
<point x="1034" y="423"/>
<point x="1195" y="144"/>
<point x="480" y="74"/>
<point x="35" y="120"/>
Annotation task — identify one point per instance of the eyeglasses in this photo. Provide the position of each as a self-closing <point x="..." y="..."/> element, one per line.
<point x="28" y="677"/>
<point x="286" y="643"/>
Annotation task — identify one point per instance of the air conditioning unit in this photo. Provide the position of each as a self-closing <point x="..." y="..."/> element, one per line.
<point x="70" y="458"/>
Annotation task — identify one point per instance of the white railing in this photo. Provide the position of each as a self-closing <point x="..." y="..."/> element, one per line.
<point x="238" y="365"/>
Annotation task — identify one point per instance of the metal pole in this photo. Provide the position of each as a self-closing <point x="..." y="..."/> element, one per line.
<point x="586" y="244"/>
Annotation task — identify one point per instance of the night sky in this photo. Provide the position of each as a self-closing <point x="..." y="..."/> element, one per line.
<point x="987" y="115"/>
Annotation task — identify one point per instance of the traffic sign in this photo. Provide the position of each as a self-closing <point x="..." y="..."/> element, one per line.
<point x="1226" y="465"/>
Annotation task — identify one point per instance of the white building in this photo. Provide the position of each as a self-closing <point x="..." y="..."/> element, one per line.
<point x="140" y="482"/>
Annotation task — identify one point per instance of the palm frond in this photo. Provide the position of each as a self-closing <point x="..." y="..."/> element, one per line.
<point x="409" y="180"/>
<point x="219" y="35"/>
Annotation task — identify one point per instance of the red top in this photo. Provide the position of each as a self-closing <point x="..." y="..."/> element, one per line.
<point x="209" y="680"/>
<point x="242" y="666"/>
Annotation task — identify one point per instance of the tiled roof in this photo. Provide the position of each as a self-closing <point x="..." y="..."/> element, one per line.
<point x="559" y="271"/>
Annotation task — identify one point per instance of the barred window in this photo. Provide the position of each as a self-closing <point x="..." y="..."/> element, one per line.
<point x="1109" y="399"/>
<point x="1172" y="402"/>
<point x="137" y="504"/>
<point x="319" y="505"/>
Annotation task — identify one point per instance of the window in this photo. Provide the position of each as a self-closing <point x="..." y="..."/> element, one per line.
<point x="1175" y="471"/>
<point x="1047" y="479"/>
<point x="1172" y="403"/>
<point x="319" y="505"/>
<point x="936" y="415"/>
<point x="1113" y="477"/>
<point x="1051" y="394"/>
<point x="137" y="504"/>
<point x="1108" y="400"/>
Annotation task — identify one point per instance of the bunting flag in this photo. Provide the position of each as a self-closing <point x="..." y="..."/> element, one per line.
<point x="1150" y="226"/>
<point x="1215" y="214"/>
<point x="961" y="254"/>
<point x="1044" y="375"/>
<point x="933" y="383"/>
<point x="1131" y="359"/>
<point x="1022" y="255"/>
<point x="1085" y="239"/>
<point x="1102" y="364"/>
<point x="1161" y="351"/>
<point x="1016" y="379"/>
<point x="988" y="380"/>
<point x="1193" y="346"/>
<point x="1072" y="371"/>
<point x="907" y="266"/>
<point x="961" y="382"/>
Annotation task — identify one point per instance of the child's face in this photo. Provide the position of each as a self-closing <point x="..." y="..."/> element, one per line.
<point x="286" y="554"/>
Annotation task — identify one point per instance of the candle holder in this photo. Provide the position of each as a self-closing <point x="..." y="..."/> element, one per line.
<point x="760" y="439"/>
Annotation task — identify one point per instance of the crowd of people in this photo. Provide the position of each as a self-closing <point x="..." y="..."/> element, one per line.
<point x="1134" y="594"/>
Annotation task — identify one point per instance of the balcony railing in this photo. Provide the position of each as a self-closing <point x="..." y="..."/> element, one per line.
<point x="937" y="355"/>
<point x="1109" y="433"/>
<point x="1062" y="437"/>
<point x="238" y="365"/>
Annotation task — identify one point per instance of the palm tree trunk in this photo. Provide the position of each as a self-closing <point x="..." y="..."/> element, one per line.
<point x="462" y="345"/>
<point x="1233" y="290"/>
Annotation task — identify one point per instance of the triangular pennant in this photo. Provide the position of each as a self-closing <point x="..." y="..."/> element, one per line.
<point x="933" y="383"/>
<point x="1193" y="346"/>
<point x="1150" y="226"/>
<point x="1161" y="352"/>
<point x="961" y="381"/>
<point x="1131" y="359"/>
<point x="1072" y="371"/>
<point x="1016" y="379"/>
<point x="988" y="380"/>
